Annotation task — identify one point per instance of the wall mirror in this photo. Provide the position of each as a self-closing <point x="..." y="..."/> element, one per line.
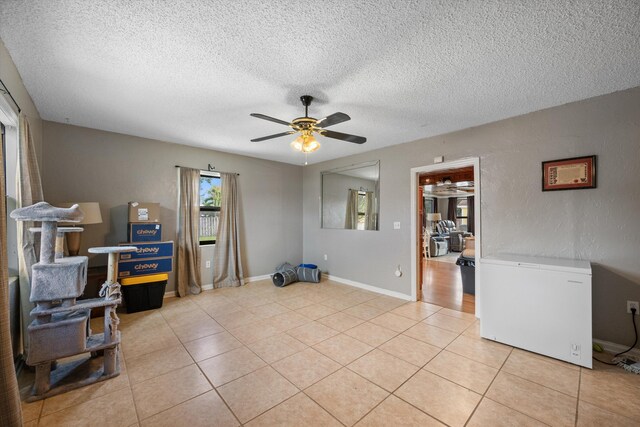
<point x="350" y="197"/>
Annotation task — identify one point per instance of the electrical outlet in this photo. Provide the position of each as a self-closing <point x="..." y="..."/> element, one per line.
<point x="207" y="264"/>
<point x="325" y="257"/>
<point x="396" y="225"/>
<point x="633" y="304"/>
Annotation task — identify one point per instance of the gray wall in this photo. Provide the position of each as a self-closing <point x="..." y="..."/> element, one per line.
<point x="82" y="164"/>
<point x="599" y="224"/>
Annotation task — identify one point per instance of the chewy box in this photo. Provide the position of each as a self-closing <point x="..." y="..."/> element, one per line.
<point x="144" y="292"/>
<point x="141" y="267"/>
<point x="148" y="250"/>
<point x="144" y="232"/>
<point x="144" y="212"/>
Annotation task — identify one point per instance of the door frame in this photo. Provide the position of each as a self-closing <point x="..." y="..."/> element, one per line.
<point x="416" y="223"/>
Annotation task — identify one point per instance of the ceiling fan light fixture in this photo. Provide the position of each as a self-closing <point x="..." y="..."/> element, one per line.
<point x="305" y="143"/>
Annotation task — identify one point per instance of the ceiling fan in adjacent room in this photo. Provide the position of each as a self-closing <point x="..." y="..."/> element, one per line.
<point x="308" y="126"/>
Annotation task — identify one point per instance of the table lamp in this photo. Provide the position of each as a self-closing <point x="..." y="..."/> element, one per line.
<point x="91" y="211"/>
<point x="433" y="217"/>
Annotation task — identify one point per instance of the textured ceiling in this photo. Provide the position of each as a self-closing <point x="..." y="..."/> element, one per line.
<point x="190" y="72"/>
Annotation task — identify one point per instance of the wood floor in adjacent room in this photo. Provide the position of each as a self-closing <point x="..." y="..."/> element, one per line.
<point x="442" y="285"/>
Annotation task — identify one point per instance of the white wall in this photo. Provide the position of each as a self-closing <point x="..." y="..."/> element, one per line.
<point x="599" y="224"/>
<point x="84" y="164"/>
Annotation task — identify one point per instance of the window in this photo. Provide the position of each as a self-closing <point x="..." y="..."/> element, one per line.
<point x="429" y="205"/>
<point x="362" y="209"/>
<point x="210" y="194"/>
<point x="461" y="213"/>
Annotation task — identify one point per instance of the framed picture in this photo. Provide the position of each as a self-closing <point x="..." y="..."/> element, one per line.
<point x="569" y="174"/>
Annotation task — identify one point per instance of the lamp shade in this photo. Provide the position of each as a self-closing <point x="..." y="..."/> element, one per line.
<point x="434" y="216"/>
<point x="305" y="143"/>
<point x="91" y="211"/>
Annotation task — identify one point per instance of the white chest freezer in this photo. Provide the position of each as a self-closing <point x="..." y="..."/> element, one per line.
<point x="538" y="304"/>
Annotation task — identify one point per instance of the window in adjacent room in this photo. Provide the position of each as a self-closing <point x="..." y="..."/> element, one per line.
<point x="210" y="194"/>
<point x="461" y="213"/>
<point x="429" y="205"/>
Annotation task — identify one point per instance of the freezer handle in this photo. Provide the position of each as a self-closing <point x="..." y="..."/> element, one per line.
<point x="525" y="265"/>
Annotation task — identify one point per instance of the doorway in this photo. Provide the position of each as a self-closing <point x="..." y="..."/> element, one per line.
<point x="446" y="207"/>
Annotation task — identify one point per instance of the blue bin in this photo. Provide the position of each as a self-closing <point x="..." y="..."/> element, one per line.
<point x="308" y="266"/>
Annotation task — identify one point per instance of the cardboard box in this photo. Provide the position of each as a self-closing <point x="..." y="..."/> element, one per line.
<point x="144" y="212"/>
<point x="148" y="250"/>
<point x="144" y="232"/>
<point x="142" y="267"/>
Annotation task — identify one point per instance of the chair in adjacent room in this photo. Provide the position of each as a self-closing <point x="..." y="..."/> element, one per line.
<point x="456" y="240"/>
<point x="433" y="246"/>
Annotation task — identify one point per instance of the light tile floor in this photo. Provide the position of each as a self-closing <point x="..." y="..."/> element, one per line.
<point x="330" y="355"/>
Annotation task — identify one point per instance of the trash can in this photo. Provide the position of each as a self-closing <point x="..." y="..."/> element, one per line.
<point x="468" y="273"/>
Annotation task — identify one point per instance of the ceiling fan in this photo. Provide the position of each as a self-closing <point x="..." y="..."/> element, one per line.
<point x="307" y="126"/>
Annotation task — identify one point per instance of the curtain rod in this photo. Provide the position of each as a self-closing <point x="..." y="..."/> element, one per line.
<point x="5" y="89"/>
<point x="210" y="169"/>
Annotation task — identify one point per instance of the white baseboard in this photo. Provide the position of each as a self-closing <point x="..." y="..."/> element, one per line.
<point x="257" y="278"/>
<point x="209" y="286"/>
<point x="370" y="288"/>
<point x="614" y="348"/>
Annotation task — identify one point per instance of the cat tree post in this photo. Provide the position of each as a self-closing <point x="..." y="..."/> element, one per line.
<point x="110" y="290"/>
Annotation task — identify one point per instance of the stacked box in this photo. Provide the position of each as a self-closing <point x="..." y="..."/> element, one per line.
<point x="143" y="274"/>
<point x="144" y="212"/>
<point x="144" y="232"/>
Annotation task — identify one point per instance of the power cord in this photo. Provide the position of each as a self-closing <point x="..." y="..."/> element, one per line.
<point x="635" y="330"/>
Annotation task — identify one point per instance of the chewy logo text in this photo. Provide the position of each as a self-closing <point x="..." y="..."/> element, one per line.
<point x="146" y="266"/>
<point x="148" y="250"/>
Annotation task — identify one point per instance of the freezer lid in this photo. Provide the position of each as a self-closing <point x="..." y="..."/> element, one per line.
<point x="540" y="263"/>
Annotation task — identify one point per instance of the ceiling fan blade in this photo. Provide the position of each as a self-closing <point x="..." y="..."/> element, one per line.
<point x="277" y="135"/>
<point x="333" y="119"/>
<point x="271" y="119"/>
<point x="344" y="136"/>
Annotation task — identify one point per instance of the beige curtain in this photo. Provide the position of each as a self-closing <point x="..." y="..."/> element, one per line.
<point x="10" y="410"/>
<point x="188" y="268"/>
<point x="351" y="217"/>
<point x="29" y="191"/>
<point x="370" y="214"/>
<point x="227" y="260"/>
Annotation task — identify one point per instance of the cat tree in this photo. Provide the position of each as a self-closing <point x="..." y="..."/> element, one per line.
<point x="60" y="324"/>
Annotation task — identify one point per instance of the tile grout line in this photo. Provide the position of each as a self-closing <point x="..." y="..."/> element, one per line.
<point x="420" y="369"/>
<point x="483" y="395"/>
<point x="500" y="403"/>
<point x="403" y="383"/>
<point x="578" y="397"/>
<point x="386" y="311"/>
